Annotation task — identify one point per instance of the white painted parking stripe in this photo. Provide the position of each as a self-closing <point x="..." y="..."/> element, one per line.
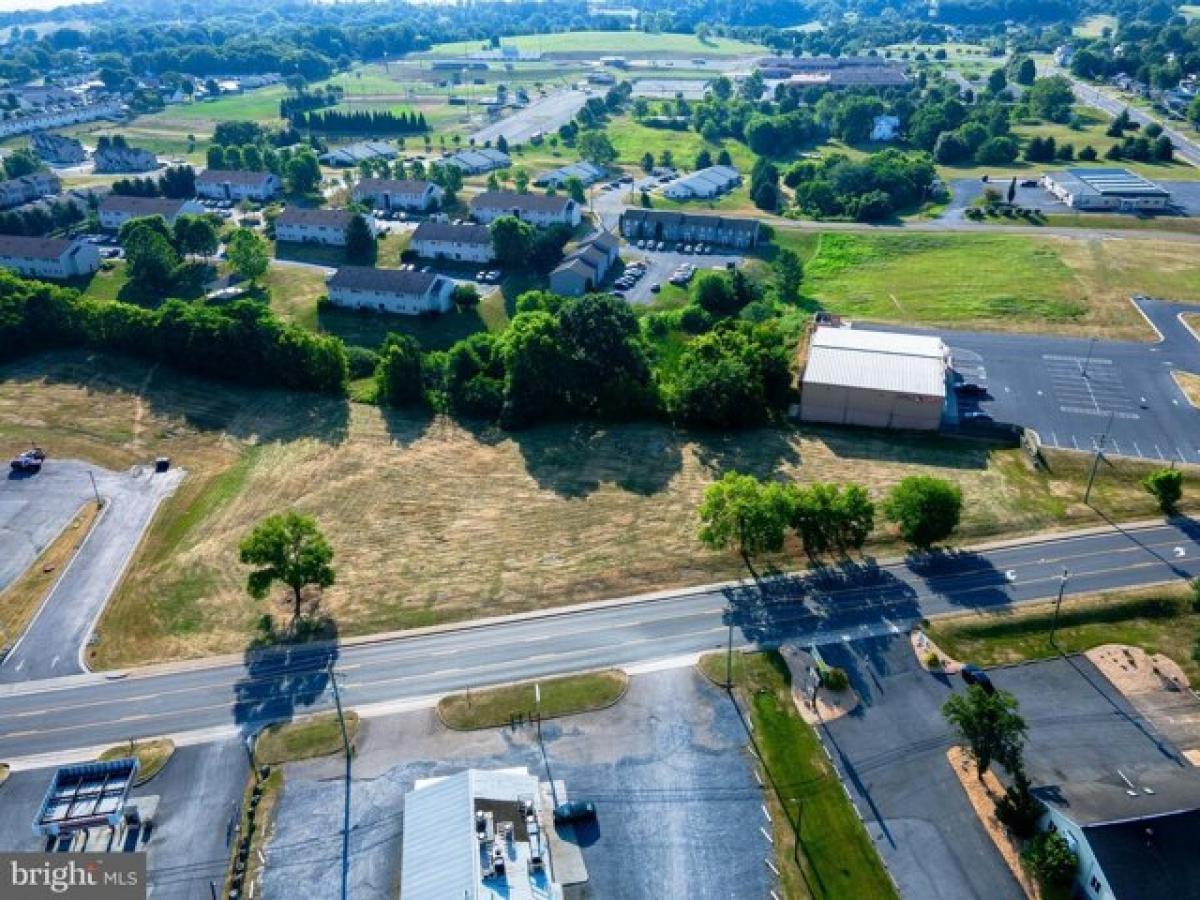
<point x="1137" y="449"/>
<point x="1159" y="452"/>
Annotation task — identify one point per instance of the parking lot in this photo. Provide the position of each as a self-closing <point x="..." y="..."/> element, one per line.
<point x="33" y="510"/>
<point x="678" y="807"/>
<point x="1185" y="196"/>
<point x="660" y="265"/>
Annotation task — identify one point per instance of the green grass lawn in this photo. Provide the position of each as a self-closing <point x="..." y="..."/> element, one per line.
<point x="840" y="860"/>
<point x="632" y="140"/>
<point x="1093" y="26"/>
<point x="616" y="42"/>
<point x="1157" y="619"/>
<point x="1000" y="281"/>
<point x="318" y="735"/>
<point x="151" y="755"/>
<point x="258" y="105"/>
<point x="494" y="707"/>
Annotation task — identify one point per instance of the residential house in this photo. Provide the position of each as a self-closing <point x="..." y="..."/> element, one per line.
<point x="536" y="209"/>
<point x="48" y="257"/>
<point x="57" y="149"/>
<point x="476" y="162"/>
<point x="885" y="128"/>
<point x="299" y="225"/>
<point x="465" y="242"/>
<point x="124" y="159"/>
<point x="12" y="123"/>
<point x="405" y="291"/>
<point x="704" y="183"/>
<point x="1063" y="54"/>
<point x="117" y="209"/>
<point x="223" y="184"/>
<point x="668" y="226"/>
<point x="1134" y="833"/>
<point x="398" y="193"/>
<point x="28" y="188"/>
<point x="585" y="268"/>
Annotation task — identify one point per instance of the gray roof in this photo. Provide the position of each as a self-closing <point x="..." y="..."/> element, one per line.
<point x="329" y="218"/>
<point x="525" y="202"/>
<point x="1150" y="860"/>
<point x="585" y="171"/>
<point x="391" y="281"/>
<point x="232" y="176"/>
<point x="668" y="217"/>
<point x="877" y="361"/>
<point x="1172" y="789"/>
<point x="376" y="186"/>
<point x="14" y="246"/>
<point x="1107" y="183"/>
<point x="440" y="851"/>
<point x="466" y="233"/>
<point x="141" y="206"/>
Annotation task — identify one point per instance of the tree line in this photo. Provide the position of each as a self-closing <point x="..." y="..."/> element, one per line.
<point x="360" y="122"/>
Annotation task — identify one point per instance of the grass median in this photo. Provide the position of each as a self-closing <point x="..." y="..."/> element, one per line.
<point x="837" y="859"/>
<point x="307" y="738"/>
<point x="493" y="707"/>
<point x="151" y="755"/>
<point x="1158" y="619"/>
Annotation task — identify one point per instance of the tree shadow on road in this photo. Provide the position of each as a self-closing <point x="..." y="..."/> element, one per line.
<point x="963" y="578"/>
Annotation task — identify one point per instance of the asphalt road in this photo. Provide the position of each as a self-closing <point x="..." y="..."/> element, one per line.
<point x="51" y="645"/>
<point x="545" y="115"/>
<point x="860" y="601"/>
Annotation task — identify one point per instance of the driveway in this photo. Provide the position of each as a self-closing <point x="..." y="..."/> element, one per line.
<point x="679" y="809"/>
<point x="54" y="641"/>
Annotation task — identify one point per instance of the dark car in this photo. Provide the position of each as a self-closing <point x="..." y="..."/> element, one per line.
<point x="972" y="674"/>
<point x="970" y="389"/>
<point x="574" y="811"/>
<point x="29" y="461"/>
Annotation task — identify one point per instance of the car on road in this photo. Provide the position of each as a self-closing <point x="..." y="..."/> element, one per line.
<point x="574" y="811"/>
<point x="29" y="461"/>
<point x="973" y="675"/>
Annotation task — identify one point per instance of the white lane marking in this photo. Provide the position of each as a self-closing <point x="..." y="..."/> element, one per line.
<point x="1011" y="574"/>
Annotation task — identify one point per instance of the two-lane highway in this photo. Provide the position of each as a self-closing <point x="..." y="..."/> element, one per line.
<point x="63" y="714"/>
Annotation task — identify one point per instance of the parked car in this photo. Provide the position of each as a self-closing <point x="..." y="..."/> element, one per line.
<point x="574" y="811"/>
<point x="655" y="288"/>
<point x="29" y="461"/>
<point x="662" y="245"/>
<point x="972" y="674"/>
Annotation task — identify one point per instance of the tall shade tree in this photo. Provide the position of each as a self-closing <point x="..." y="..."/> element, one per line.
<point x="926" y="509"/>
<point x="249" y="254"/>
<point x="989" y="725"/>
<point x="740" y="511"/>
<point x="288" y="548"/>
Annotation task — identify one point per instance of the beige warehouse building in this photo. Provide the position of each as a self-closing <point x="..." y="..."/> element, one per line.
<point x="874" y="379"/>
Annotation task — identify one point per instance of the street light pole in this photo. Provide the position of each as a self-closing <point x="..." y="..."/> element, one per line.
<point x="729" y="655"/>
<point x="1062" y="586"/>
<point x="337" y="699"/>
<point x="1096" y="458"/>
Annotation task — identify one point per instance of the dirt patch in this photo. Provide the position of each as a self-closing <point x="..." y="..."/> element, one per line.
<point x="983" y="795"/>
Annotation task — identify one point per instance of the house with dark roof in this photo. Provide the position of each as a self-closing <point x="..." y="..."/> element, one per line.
<point x="1135" y="833"/>
<point x="226" y="184"/>
<point x="48" y="257"/>
<point x="316" y="226"/>
<point x="27" y="188"/>
<point x="666" y="225"/>
<point x="585" y="267"/>
<point x="536" y="209"/>
<point x="413" y="195"/>
<point x="404" y="291"/>
<point x="117" y="209"/>
<point x="457" y="241"/>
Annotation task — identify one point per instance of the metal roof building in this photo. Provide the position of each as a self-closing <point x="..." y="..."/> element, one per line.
<point x="84" y="796"/>
<point x="475" y="835"/>
<point x="1119" y="189"/>
<point x="874" y="378"/>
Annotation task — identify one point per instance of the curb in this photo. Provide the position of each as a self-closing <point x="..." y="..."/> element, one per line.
<point x="609" y="705"/>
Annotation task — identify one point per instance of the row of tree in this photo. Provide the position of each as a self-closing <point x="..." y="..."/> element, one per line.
<point x="177" y="182"/>
<point x="360" y="122"/>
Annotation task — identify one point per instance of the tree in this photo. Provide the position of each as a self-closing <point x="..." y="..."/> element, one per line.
<point x="826" y="518"/>
<point x="288" y="548"/>
<point x="1166" y="485"/>
<point x="788" y="269"/>
<point x="361" y="245"/>
<point x="740" y="511"/>
<point x="996" y="151"/>
<point x="214" y="157"/>
<point x="150" y="259"/>
<point x="1051" y="98"/>
<point x="20" y="162"/>
<point x="997" y="81"/>
<point x="303" y="172"/>
<point x="925" y="508"/>
<point x="766" y="196"/>
<point x="989" y="725"/>
<point x="595" y="147"/>
<point x="1087" y="153"/>
<point x="714" y="294"/>
<point x="1026" y="71"/>
<point x="1051" y="858"/>
<point x="728" y="377"/>
<point x="575" y="189"/>
<point x="399" y="376"/>
<point x="647" y="161"/>
<point x="1012" y="190"/>
<point x="521" y="180"/>
<point x="249" y="254"/>
<point x="195" y="235"/>
<point x="465" y="295"/>
<point x="512" y="240"/>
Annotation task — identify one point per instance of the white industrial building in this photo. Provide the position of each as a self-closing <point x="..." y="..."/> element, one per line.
<point x="476" y="162"/>
<point x="227" y="184"/>
<point x="413" y="195"/>
<point x="704" y="183"/>
<point x="353" y="154"/>
<point x="875" y="379"/>
<point x="1106" y="189"/>
<point x="536" y="209"/>
<point x="457" y="241"/>
<point x="117" y="209"/>
<point x="477" y="835"/>
<point x="316" y="226"/>
<point x="588" y="173"/>
<point x="48" y="257"/>
<point x="404" y="291"/>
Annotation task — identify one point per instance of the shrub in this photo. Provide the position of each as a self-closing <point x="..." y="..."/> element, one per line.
<point x="361" y="361"/>
<point x="1018" y="810"/>
<point x="834" y="679"/>
<point x="1196" y="595"/>
<point x="1167" y="487"/>
<point x="1050" y="859"/>
<point x="932" y="660"/>
<point x="695" y="320"/>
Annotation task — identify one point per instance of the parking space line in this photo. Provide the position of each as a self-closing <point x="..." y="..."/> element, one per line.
<point x="1159" y="452"/>
<point x="1137" y="449"/>
<point x="1182" y="458"/>
<point x="1074" y="442"/>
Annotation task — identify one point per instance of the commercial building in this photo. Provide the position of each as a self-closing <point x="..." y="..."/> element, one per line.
<point x="117" y="209"/>
<point x="834" y="71"/>
<point x="874" y="378"/>
<point x="1106" y="189"/>
<point x="412" y="195"/>
<point x="585" y="267"/>
<point x="353" y="154"/>
<point x="477" y="835"/>
<point x="48" y="257"/>
<point x="1134" y="833"/>
<point x="316" y="226"/>
<point x="476" y="162"/>
<point x="85" y="796"/>
<point x="671" y="227"/>
<point x="28" y="188"/>
<point x="404" y="291"/>
<point x="536" y="209"/>
<point x="460" y="242"/>
<point x="704" y="183"/>
<point x="223" y="184"/>
<point x="588" y="173"/>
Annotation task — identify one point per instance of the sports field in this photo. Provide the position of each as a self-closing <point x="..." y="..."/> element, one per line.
<point x="609" y="42"/>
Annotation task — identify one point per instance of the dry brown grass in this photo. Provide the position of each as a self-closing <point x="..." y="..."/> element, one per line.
<point x="432" y="522"/>
<point x="1189" y="384"/>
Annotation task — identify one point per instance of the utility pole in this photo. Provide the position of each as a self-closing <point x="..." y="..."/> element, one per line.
<point x="337" y="699"/>
<point x="1062" y="586"/>
<point x="1096" y="458"/>
<point x="729" y="654"/>
<point x="95" y="490"/>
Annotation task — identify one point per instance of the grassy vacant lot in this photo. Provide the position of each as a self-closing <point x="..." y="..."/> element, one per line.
<point x="433" y="521"/>
<point x="1189" y="384"/>
<point x="1001" y="281"/>
<point x="1157" y="619"/>
<point x="632" y="139"/>
<point x="20" y="600"/>
<point x="151" y="755"/>
<point x="837" y="855"/>
<point x="622" y="42"/>
<point x="316" y="735"/>
<point x="1093" y="26"/>
<point x="560" y="697"/>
